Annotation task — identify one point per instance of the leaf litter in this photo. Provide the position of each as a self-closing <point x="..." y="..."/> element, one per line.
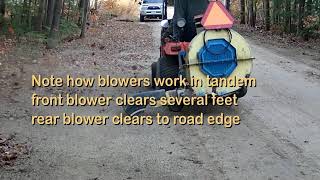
<point x="10" y="150"/>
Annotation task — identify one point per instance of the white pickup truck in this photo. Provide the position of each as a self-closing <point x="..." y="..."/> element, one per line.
<point x="151" y="9"/>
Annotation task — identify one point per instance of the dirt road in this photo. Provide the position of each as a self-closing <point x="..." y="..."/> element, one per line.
<point x="279" y="135"/>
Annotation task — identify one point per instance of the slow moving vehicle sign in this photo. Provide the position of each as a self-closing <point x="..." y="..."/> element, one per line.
<point x="217" y="17"/>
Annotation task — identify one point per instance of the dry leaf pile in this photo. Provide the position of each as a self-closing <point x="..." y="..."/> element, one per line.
<point x="6" y="44"/>
<point x="10" y="151"/>
<point x="114" y="45"/>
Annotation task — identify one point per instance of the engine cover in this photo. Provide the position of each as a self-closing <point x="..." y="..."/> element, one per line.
<point x="218" y="58"/>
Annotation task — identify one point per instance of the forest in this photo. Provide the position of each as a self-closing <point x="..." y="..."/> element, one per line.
<point x="50" y="19"/>
<point x="56" y="19"/>
<point x="298" y="17"/>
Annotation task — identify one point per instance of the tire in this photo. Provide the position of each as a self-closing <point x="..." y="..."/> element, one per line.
<point x="176" y="108"/>
<point x="153" y="74"/>
<point x="141" y="18"/>
<point x="242" y="92"/>
<point x="168" y="68"/>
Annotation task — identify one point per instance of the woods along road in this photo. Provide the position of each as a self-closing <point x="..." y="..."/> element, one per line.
<point x="278" y="138"/>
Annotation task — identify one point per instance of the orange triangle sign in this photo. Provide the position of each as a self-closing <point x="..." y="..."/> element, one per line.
<point x="217" y="17"/>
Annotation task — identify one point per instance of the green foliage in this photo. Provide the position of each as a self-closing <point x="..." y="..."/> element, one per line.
<point x="22" y="16"/>
<point x="300" y="17"/>
<point x="311" y="27"/>
<point x="36" y="36"/>
<point x="68" y="28"/>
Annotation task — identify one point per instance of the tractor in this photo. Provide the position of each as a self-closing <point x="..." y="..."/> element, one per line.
<point x="198" y="43"/>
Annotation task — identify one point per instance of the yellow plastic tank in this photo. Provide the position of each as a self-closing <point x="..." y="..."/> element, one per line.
<point x="243" y="53"/>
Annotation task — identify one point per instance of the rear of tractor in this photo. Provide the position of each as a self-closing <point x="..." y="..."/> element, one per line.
<point x="204" y="47"/>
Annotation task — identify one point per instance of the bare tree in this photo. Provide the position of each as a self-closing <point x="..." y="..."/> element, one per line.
<point x="84" y="18"/>
<point x="309" y="8"/>
<point x="287" y="17"/>
<point x="23" y="12"/>
<point x="228" y="4"/>
<point x="29" y="14"/>
<point x="2" y="8"/>
<point x="54" y="30"/>
<point x="63" y="7"/>
<point x="318" y="10"/>
<point x="242" y="11"/>
<point x="267" y="14"/>
<point x="81" y="10"/>
<point x="251" y="16"/>
<point x="41" y="14"/>
<point x="96" y="4"/>
<point x="50" y="12"/>
<point x="301" y="15"/>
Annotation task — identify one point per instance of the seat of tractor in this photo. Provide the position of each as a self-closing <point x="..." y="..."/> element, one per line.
<point x="188" y="9"/>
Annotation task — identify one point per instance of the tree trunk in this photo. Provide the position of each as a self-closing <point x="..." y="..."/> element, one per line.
<point x="276" y="11"/>
<point x="255" y="11"/>
<point x="96" y="4"/>
<point x="294" y="19"/>
<point x="251" y="13"/>
<point x="2" y="8"/>
<point x="29" y="14"/>
<point x="41" y="14"/>
<point x="242" y="11"/>
<point x="287" y="17"/>
<point x="50" y="12"/>
<point x="70" y="3"/>
<point x="81" y="10"/>
<point x="24" y="12"/>
<point x="318" y="10"/>
<point x="84" y="18"/>
<point x="54" y="30"/>
<point x="63" y="7"/>
<point x="45" y="13"/>
<point x="228" y="4"/>
<point x="301" y="16"/>
<point x="2" y="12"/>
<point x="267" y="14"/>
<point x="309" y="7"/>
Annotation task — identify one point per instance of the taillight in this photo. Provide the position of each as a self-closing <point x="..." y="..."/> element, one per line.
<point x="176" y="48"/>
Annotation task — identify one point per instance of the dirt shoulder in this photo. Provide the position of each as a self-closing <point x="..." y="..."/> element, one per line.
<point x="120" y="49"/>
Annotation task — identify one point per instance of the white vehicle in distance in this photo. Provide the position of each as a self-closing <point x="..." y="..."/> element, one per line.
<point x="151" y="9"/>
